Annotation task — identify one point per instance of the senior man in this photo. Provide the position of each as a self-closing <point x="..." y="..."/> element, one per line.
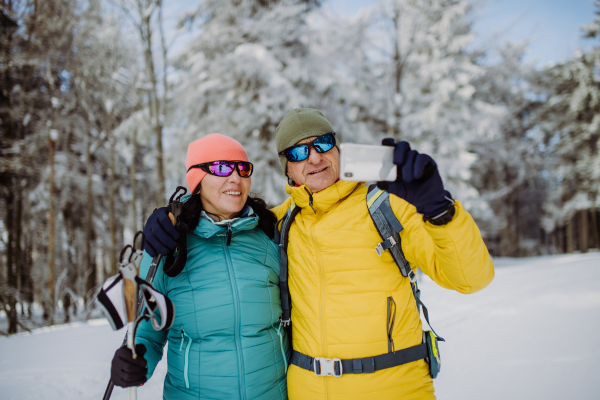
<point x="340" y="288"/>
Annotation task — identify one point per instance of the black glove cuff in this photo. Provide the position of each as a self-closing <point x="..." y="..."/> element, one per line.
<point x="443" y="218"/>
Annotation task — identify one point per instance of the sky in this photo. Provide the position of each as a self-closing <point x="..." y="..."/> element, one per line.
<point x="551" y="26"/>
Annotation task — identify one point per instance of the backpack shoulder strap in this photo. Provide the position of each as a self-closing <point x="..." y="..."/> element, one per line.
<point x="389" y="229"/>
<point x="281" y="238"/>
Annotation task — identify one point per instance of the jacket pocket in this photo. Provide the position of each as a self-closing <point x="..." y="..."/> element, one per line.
<point x="187" y="342"/>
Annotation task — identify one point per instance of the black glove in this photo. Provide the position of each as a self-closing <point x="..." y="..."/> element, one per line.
<point x="160" y="236"/>
<point x="127" y="371"/>
<point x="418" y="182"/>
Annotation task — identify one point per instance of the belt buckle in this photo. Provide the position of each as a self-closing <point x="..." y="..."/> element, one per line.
<point x="327" y="366"/>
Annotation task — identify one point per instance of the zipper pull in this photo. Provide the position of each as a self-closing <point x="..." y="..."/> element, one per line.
<point x="181" y="347"/>
<point x="229" y="233"/>
<point x="310" y="199"/>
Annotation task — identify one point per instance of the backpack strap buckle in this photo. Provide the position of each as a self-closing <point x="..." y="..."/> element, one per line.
<point x="383" y="246"/>
<point x="412" y="276"/>
<point x="327" y="366"/>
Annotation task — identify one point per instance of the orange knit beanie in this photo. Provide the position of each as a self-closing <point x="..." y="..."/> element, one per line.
<point x="213" y="147"/>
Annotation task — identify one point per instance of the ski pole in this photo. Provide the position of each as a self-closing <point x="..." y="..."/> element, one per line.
<point x="174" y="208"/>
<point x="130" y="271"/>
<point x="149" y="278"/>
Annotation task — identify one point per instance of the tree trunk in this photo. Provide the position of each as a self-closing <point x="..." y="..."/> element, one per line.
<point x="132" y="172"/>
<point x="595" y="233"/>
<point x="51" y="230"/>
<point x="9" y="299"/>
<point x="26" y="281"/>
<point x="583" y="231"/>
<point x="88" y="220"/>
<point x="18" y="254"/>
<point x="570" y="235"/>
<point x="516" y="248"/>
<point x="9" y="179"/>
<point x="111" y="202"/>
<point x="146" y="35"/>
<point x="398" y="73"/>
<point x="66" y="308"/>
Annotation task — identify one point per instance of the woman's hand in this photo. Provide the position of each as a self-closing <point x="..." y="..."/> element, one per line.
<point x="160" y="236"/>
<point x="127" y="371"/>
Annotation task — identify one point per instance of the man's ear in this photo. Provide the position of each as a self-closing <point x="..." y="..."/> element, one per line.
<point x="290" y="181"/>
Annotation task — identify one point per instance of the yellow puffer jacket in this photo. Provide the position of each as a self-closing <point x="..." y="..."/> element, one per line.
<point x="339" y="288"/>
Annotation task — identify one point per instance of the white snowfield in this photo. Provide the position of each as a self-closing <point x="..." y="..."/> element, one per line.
<point x="532" y="334"/>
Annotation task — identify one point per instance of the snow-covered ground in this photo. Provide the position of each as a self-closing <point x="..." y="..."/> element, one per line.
<point x="532" y="334"/>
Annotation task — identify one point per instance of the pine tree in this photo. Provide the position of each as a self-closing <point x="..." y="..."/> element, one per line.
<point x="421" y="86"/>
<point x="570" y="121"/>
<point x="240" y="75"/>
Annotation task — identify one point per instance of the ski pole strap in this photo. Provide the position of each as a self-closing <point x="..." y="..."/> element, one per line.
<point x="389" y="228"/>
<point x="173" y="266"/>
<point x="322" y="366"/>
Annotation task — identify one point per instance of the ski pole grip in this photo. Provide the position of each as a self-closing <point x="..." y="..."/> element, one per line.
<point x="175" y="210"/>
<point x="172" y="218"/>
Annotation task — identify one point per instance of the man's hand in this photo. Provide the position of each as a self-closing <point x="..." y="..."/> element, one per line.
<point x="160" y="236"/>
<point x="418" y="182"/>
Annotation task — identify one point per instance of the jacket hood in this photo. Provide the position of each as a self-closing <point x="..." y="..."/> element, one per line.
<point x="325" y="199"/>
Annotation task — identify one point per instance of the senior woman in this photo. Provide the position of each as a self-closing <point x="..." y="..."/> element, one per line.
<point x="224" y="342"/>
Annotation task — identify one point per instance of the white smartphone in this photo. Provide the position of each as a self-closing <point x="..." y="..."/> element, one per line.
<point x="367" y="163"/>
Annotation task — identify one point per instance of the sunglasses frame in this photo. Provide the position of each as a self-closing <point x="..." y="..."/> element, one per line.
<point x="205" y="167"/>
<point x="309" y="145"/>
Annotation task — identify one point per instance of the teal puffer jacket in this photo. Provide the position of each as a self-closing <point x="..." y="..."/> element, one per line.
<point x="224" y="341"/>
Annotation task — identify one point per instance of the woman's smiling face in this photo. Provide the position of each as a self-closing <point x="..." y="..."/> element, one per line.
<point x="224" y="196"/>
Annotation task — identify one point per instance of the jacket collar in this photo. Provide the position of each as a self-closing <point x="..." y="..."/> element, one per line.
<point x="321" y="201"/>
<point x="207" y="228"/>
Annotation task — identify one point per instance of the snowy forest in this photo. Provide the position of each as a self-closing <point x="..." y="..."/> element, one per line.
<point x="98" y="103"/>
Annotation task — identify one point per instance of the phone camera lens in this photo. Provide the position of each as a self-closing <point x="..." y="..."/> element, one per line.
<point x="348" y="174"/>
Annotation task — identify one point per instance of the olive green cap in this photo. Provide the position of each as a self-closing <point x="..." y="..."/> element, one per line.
<point x="297" y="125"/>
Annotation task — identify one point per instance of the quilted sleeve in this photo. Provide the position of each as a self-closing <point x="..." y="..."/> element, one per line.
<point x="153" y="340"/>
<point x="453" y="255"/>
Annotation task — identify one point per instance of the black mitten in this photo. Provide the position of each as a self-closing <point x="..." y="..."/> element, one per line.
<point x="127" y="371"/>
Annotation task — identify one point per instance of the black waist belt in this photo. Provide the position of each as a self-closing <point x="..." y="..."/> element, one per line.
<point x="335" y="367"/>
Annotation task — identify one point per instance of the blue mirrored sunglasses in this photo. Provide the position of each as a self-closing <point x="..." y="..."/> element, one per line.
<point x="300" y="152"/>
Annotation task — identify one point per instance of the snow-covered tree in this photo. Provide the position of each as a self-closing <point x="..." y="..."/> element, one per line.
<point x="570" y="120"/>
<point x="239" y="76"/>
<point x="423" y="86"/>
<point x="508" y="173"/>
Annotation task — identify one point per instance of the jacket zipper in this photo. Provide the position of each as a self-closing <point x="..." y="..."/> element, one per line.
<point x="310" y="199"/>
<point x="187" y="357"/>
<point x="323" y="297"/>
<point x="391" y="319"/>
<point x="236" y="306"/>
<point x="229" y="233"/>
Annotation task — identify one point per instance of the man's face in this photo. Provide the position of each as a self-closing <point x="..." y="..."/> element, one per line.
<point x="318" y="171"/>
